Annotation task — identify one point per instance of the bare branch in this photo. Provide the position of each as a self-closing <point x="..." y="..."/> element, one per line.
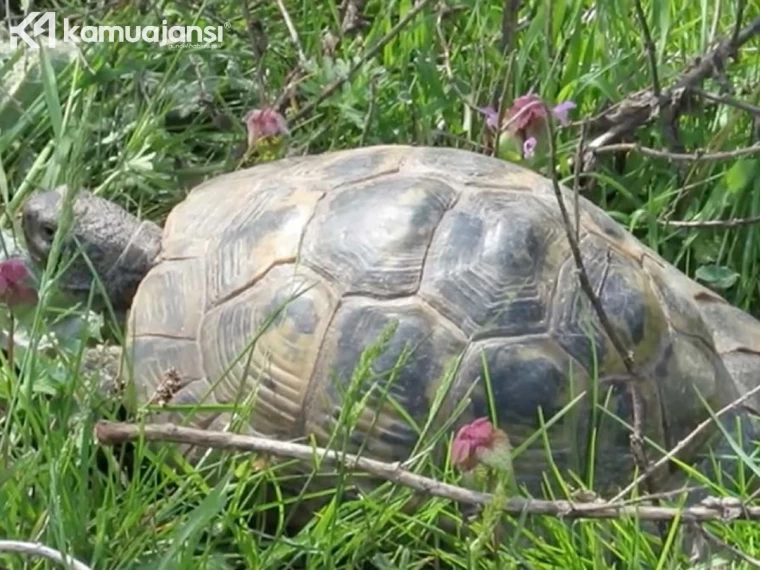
<point x="259" y="43"/>
<point x="113" y="433"/>
<point x="446" y="54"/>
<point x="42" y="551"/>
<point x="577" y="179"/>
<point x="640" y="107"/>
<point x="694" y="156"/>
<point x="293" y="32"/>
<point x="582" y="274"/>
<point x="369" y="54"/>
<point x="727" y="100"/>
<point x="510" y="10"/>
<point x="685" y="441"/>
<point x="739" y="17"/>
<point x="636" y="439"/>
<point x="719" y="224"/>
<point x="651" y="51"/>
<point x="710" y="537"/>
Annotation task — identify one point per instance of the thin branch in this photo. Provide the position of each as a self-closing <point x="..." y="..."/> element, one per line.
<point x="727" y="100"/>
<point x="510" y="9"/>
<point x="685" y="441"/>
<point x="637" y="448"/>
<point x="370" y="113"/>
<point x="369" y="54"/>
<point x="549" y="29"/>
<point x="739" y="16"/>
<point x="710" y="537"/>
<point x="293" y="32"/>
<point x="651" y="51"/>
<point x="639" y="108"/>
<point x="583" y="276"/>
<point x="577" y="179"/>
<point x="446" y="55"/>
<point x="693" y="156"/>
<point x="294" y="77"/>
<point x="720" y="224"/>
<point x="114" y="433"/>
<point x="259" y="42"/>
<point x="42" y="551"/>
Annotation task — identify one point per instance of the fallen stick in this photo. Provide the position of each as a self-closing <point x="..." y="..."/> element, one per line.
<point x="639" y="108"/>
<point x="711" y="509"/>
<point x="36" y="549"/>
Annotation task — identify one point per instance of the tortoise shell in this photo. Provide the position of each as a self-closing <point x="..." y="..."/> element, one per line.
<point x="273" y="281"/>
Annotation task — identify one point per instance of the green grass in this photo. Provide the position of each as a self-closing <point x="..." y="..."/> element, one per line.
<point x="142" y="126"/>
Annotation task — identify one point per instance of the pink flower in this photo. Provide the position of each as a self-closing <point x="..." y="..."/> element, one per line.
<point x="15" y="283"/>
<point x="264" y="123"/>
<point x="480" y="442"/>
<point x="526" y="120"/>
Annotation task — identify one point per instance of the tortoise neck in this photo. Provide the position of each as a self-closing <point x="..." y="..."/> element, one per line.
<point x="130" y="268"/>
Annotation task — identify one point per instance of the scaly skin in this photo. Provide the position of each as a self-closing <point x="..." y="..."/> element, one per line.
<point x="120" y="247"/>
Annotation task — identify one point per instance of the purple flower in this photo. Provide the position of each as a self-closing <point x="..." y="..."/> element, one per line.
<point x="526" y="120"/>
<point x="529" y="147"/>
<point x="15" y="283"/>
<point x="492" y="117"/>
<point x="265" y="122"/>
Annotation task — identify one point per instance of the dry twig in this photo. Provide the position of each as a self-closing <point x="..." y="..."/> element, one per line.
<point x="510" y="10"/>
<point x="42" y="551"/>
<point x="699" y="155"/>
<point x="685" y="441"/>
<point x="637" y="447"/>
<point x="114" y="433"/>
<point x="710" y="537"/>
<point x="727" y="100"/>
<point x="293" y="32"/>
<point x="640" y="107"/>
<point x="651" y="51"/>
<point x="369" y="54"/>
<point x="259" y="42"/>
<point x="738" y="24"/>
<point x="447" y="68"/>
<point x="714" y="224"/>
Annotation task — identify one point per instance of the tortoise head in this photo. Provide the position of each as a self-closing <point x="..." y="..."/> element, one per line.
<point x="103" y="247"/>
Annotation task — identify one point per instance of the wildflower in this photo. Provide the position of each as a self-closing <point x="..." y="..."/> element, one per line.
<point x="15" y="283"/>
<point x="526" y="120"/>
<point x="265" y="122"/>
<point x="479" y="442"/>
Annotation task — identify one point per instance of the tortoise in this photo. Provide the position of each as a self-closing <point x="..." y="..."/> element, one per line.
<point x="271" y="283"/>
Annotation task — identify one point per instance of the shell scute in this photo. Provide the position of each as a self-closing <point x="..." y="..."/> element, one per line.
<point x="492" y="265"/>
<point x="259" y="235"/>
<point x="405" y="374"/>
<point x="263" y="345"/>
<point x="629" y="302"/>
<point x="372" y="238"/>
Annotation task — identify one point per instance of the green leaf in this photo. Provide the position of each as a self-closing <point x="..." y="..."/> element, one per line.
<point x="50" y="86"/>
<point x="717" y="276"/>
<point x="197" y="522"/>
<point x="740" y="174"/>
